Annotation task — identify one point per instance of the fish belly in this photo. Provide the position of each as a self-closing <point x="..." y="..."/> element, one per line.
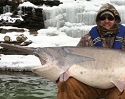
<point x="95" y="77"/>
<point x="108" y="67"/>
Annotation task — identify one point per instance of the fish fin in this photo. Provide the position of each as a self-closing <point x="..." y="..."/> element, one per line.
<point x="64" y="76"/>
<point x="78" y="58"/>
<point x="73" y="52"/>
<point x="119" y="84"/>
<point x="72" y="59"/>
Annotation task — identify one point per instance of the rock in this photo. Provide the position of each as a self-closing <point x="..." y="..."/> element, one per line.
<point x="21" y="38"/>
<point x="32" y="18"/>
<point x="7" y="39"/>
<point x="3" y="31"/>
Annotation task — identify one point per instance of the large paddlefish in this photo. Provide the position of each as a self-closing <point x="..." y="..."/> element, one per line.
<point x="95" y="66"/>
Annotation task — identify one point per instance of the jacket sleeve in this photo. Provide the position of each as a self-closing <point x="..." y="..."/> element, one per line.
<point x="85" y="41"/>
<point x="123" y="43"/>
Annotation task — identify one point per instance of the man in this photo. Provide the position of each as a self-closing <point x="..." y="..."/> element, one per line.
<point x="108" y="33"/>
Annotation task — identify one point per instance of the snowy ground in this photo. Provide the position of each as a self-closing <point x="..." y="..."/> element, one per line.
<point x="65" y="25"/>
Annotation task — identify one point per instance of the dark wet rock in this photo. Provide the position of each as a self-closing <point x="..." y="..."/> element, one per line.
<point x="32" y="18"/>
<point x="15" y="3"/>
<point x="2" y="30"/>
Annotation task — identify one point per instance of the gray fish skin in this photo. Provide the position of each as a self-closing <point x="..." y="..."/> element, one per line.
<point x="51" y="57"/>
<point x="95" y="66"/>
<point x="106" y="71"/>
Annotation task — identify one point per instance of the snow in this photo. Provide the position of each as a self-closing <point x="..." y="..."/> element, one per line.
<point x="27" y="4"/>
<point x="65" y="25"/>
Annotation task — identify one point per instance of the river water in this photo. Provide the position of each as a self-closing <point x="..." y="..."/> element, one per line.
<point x="18" y="85"/>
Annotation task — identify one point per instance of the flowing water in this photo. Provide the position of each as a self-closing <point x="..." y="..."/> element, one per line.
<point x="18" y="85"/>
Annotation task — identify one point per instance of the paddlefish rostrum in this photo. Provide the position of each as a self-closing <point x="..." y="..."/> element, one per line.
<point x="95" y="66"/>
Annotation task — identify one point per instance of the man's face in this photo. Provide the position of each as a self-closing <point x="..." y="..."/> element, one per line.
<point x="107" y="21"/>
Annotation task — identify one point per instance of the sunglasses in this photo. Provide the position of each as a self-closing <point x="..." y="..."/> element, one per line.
<point x="109" y="17"/>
